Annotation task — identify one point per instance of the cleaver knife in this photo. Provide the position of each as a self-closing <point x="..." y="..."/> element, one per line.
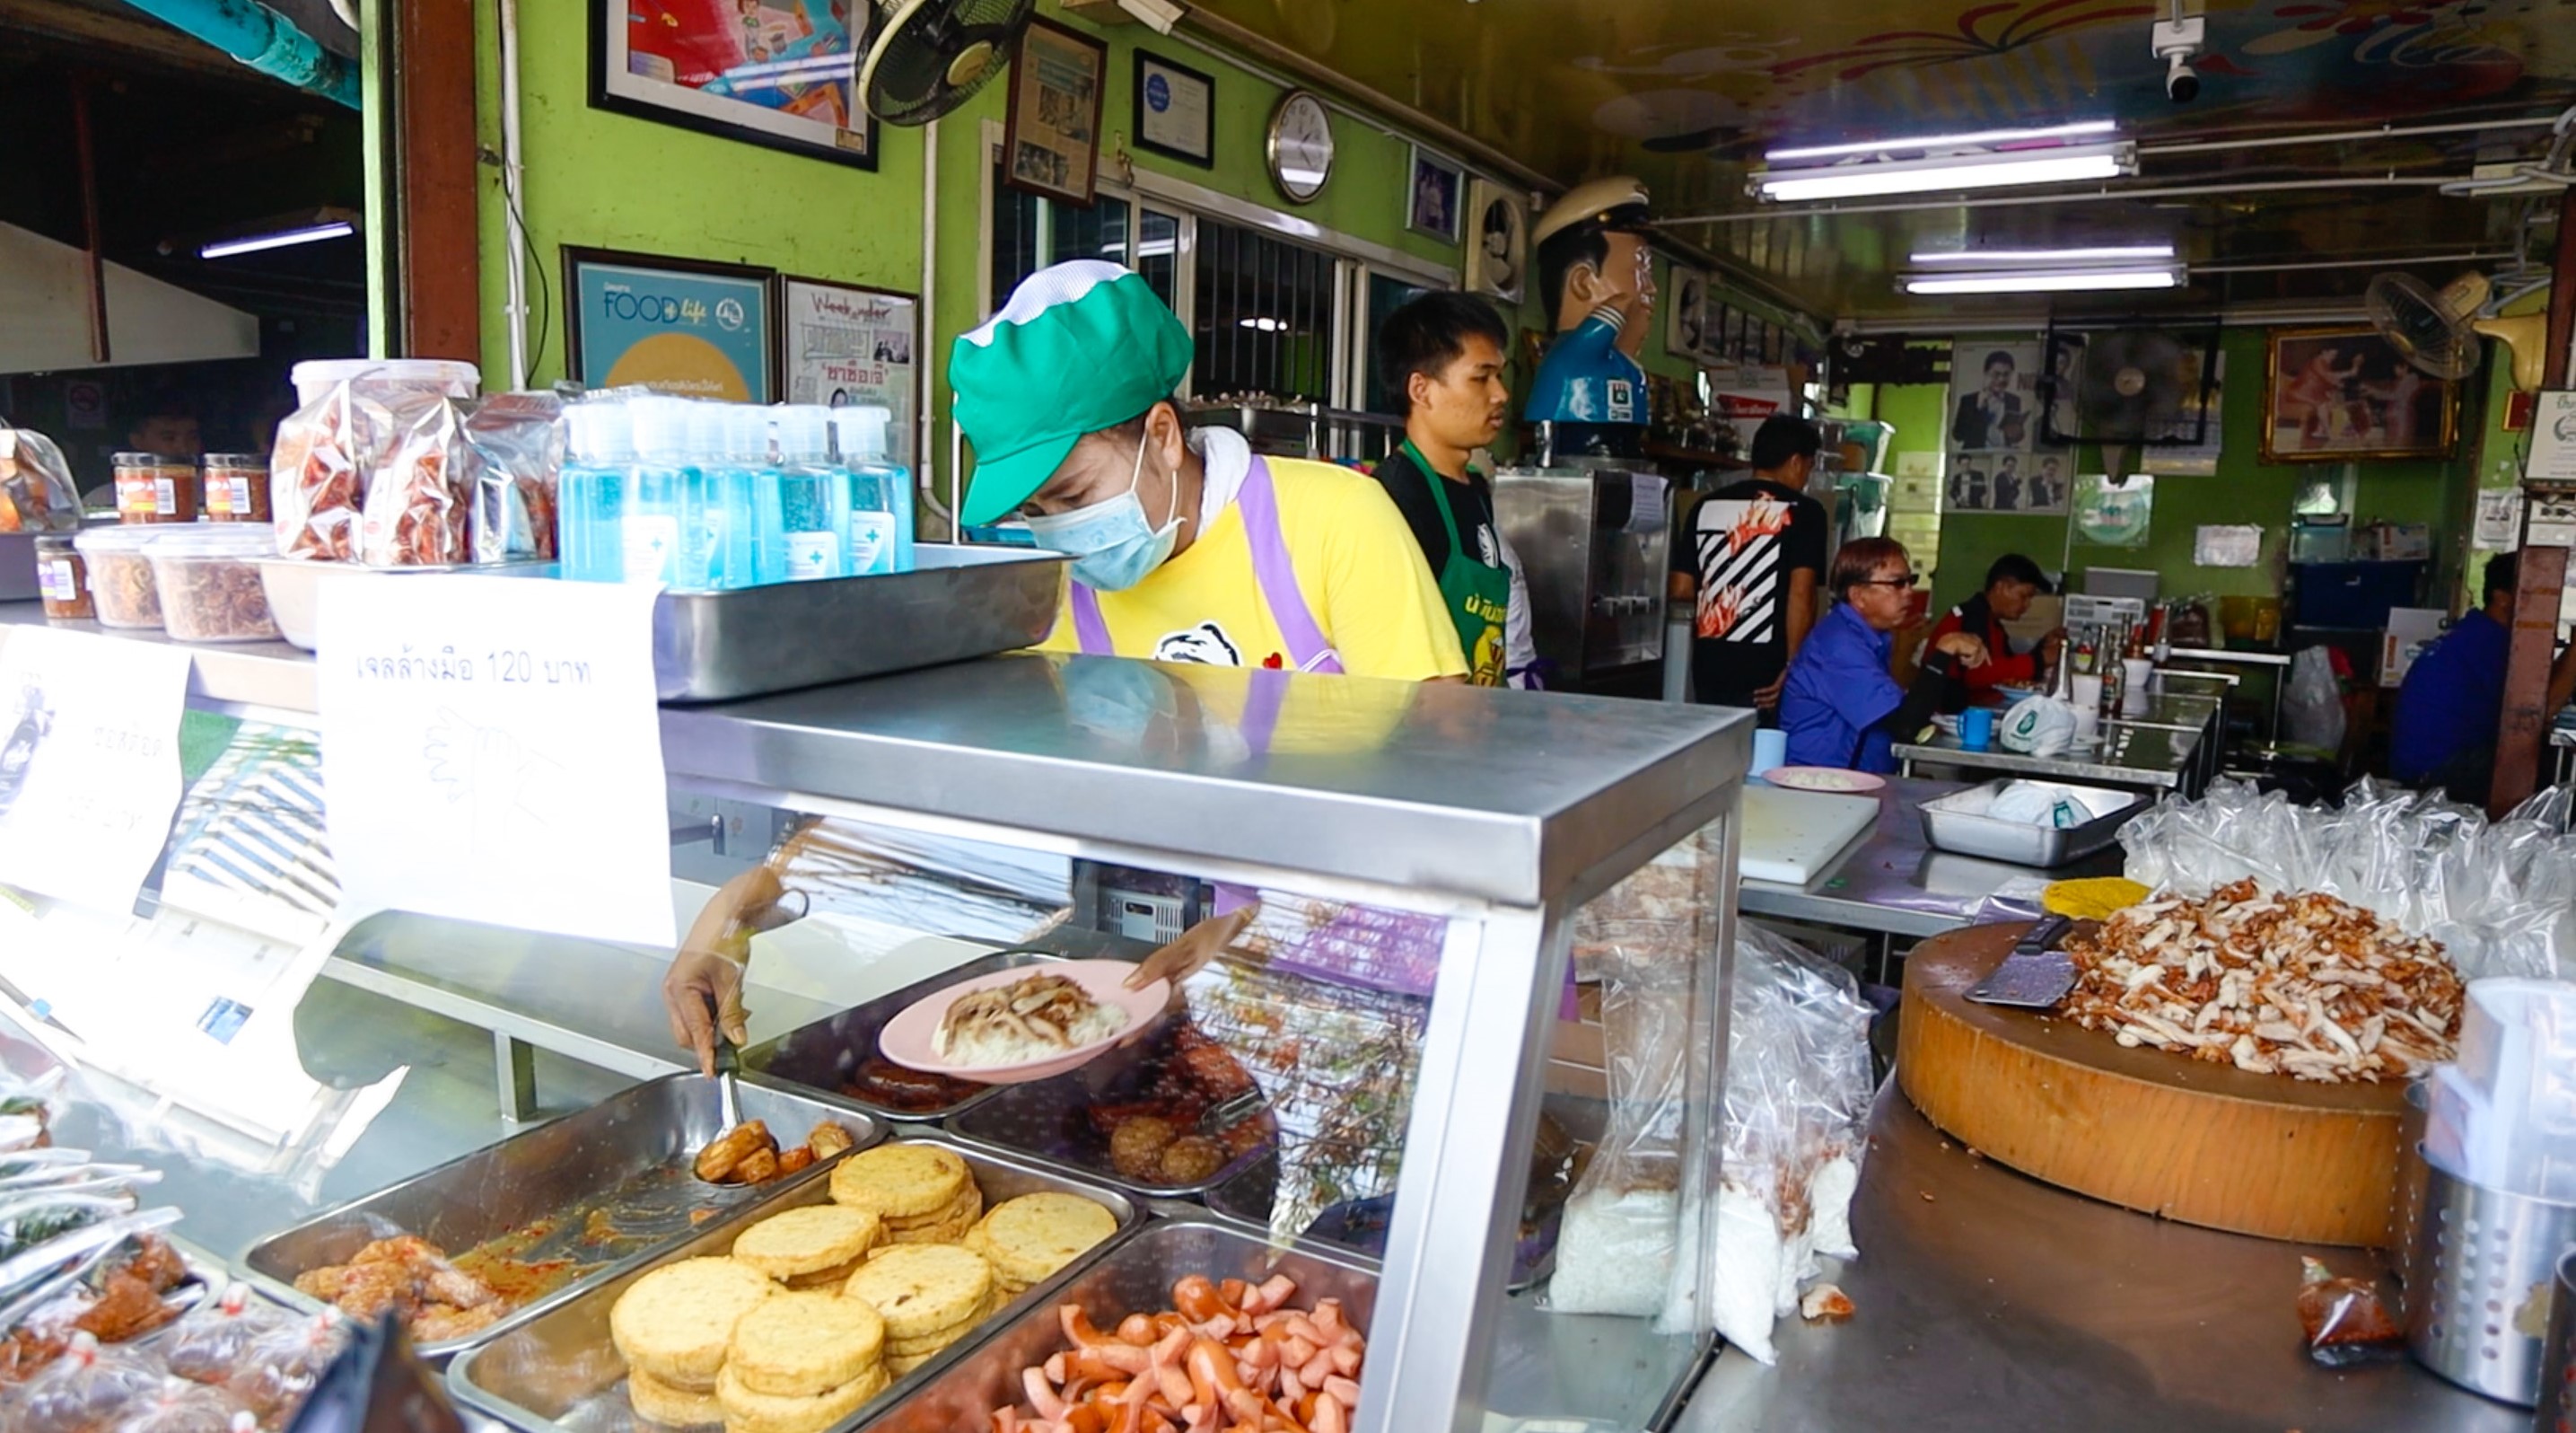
<point x="2033" y="975"/>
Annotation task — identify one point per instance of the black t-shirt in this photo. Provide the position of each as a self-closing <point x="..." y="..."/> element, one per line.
<point x="1741" y="543"/>
<point x="1471" y="502"/>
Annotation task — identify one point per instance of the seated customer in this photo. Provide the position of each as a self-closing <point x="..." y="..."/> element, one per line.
<point x="2453" y="697"/>
<point x="1841" y="706"/>
<point x="2010" y="585"/>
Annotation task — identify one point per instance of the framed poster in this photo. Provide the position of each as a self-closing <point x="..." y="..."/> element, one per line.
<point x="1432" y="199"/>
<point x="1175" y="111"/>
<point x="780" y="73"/>
<point x="680" y="326"/>
<point x="1994" y="396"/>
<point x="1052" y="138"/>
<point x="1498" y="265"/>
<point x="2029" y="484"/>
<point x="1686" y="322"/>
<point x="2335" y="394"/>
<point x="845" y="344"/>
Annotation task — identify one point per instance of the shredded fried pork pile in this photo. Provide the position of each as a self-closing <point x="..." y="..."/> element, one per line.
<point x="2301" y="985"/>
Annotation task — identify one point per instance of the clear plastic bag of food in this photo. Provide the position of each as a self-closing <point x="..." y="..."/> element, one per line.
<point x="36" y="490"/>
<point x="515" y="446"/>
<point x="2345" y="1319"/>
<point x="179" y="1406"/>
<point x="210" y="1342"/>
<point x="1641" y="940"/>
<point x="420" y="501"/>
<point x="90" y="1387"/>
<point x="279" y="1368"/>
<point x="329" y="451"/>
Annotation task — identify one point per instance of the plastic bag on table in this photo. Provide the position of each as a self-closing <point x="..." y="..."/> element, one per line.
<point x="2312" y="706"/>
<point x="1798" y="1089"/>
<point x="1641" y="940"/>
<point x="36" y="490"/>
<point x="281" y="1367"/>
<point x="515" y="444"/>
<point x="180" y="1406"/>
<point x="418" y="502"/>
<point x="209" y="1341"/>
<point x="89" y="1387"/>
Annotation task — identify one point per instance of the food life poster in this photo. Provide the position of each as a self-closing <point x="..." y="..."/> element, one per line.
<point x="89" y="763"/>
<point x="492" y="751"/>
<point x="852" y="346"/>
<point x="676" y="330"/>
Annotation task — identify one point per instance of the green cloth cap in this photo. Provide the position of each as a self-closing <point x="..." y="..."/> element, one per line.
<point x="1080" y="347"/>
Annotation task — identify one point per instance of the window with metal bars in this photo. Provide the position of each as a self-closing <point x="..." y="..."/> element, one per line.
<point x="1266" y="319"/>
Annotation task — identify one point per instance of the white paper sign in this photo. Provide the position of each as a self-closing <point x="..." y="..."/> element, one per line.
<point x="89" y="762"/>
<point x="2499" y="526"/>
<point x="2553" y="439"/>
<point x="492" y="751"/>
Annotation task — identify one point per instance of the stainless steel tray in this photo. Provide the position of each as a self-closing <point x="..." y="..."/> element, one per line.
<point x="623" y="1164"/>
<point x="957" y="602"/>
<point x="1957" y="822"/>
<point x="1135" y="1277"/>
<point x="827" y="1054"/>
<point x="1050" y="1120"/>
<point x="560" y="1371"/>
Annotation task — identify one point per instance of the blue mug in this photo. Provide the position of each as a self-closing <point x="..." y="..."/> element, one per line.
<point x="1977" y="728"/>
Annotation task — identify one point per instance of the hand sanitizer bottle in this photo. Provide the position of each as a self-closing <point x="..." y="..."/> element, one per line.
<point x="598" y="487"/>
<point x="880" y="493"/>
<point x="814" y="496"/>
<point x="649" y="531"/>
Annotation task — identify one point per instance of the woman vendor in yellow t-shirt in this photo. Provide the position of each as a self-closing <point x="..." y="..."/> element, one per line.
<point x="1186" y="545"/>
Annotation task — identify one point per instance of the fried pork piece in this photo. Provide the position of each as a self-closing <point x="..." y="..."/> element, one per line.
<point x="717" y="1162"/>
<point x="128" y="1307"/>
<point x="438" y="1323"/>
<point x="827" y="1139"/>
<point x="410" y="1276"/>
<point x="2301" y="985"/>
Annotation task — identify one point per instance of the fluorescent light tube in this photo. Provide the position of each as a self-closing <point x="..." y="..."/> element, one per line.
<point x="278" y="239"/>
<point x="1979" y="139"/>
<point x="1923" y="176"/>
<point x="2040" y="281"/>
<point x="2002" y="257"/>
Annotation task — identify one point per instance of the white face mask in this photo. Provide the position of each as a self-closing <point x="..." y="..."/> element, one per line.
<point x="1112" y="543"/>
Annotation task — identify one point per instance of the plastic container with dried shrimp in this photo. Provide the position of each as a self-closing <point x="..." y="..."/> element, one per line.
<point x="120" y="576"/>
<point x="210" y="585"/>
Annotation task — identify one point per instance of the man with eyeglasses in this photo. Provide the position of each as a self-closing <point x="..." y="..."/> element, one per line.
<point x="1841" y="706"/>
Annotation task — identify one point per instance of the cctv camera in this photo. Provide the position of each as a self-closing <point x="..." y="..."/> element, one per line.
<point x="2175" y="41"/>
<point x="2182" y="82"/>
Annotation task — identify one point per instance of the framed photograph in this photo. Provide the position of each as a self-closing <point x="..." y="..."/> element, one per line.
<point x="1432" y="200"/>
<point x="846" y="344"/>
<point x="1175" y="111"/>
<point x="781" y="73"/>
<point x="681" y="326"/>
<point x="2334" y="394"/>
<point x="1498" y="264"/>
<point x="1994" y="396"/>
<point x="1686" y="314"/>
<point x="1051" y="142"/>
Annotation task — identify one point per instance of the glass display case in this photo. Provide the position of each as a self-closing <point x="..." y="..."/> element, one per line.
<point x="1416" y="1002"/>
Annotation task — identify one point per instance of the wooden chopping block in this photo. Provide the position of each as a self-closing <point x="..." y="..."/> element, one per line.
<point x="2148" y="1129"/>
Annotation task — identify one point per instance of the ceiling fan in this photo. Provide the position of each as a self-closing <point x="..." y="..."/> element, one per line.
<point x="2438" y="330"/>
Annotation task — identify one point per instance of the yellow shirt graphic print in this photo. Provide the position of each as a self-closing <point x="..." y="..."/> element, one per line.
<point x="1356" y="565"/>
<point x="1485" y="665"/>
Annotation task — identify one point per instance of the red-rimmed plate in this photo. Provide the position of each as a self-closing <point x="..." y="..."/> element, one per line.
<point x="1831" y="779"/>
<point x="906" y="1039"/>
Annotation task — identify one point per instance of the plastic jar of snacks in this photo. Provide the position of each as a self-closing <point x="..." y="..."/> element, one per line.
<point x="62" y="578"/>
<point x="210" y="586"/>
<point x="152" y="488"/>
<point x="120" y="576"/>
<point x="236" y="487"/>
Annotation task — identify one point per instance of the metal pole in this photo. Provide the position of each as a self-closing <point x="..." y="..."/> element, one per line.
<point x="97" y="263"/>
<point x="2542" y="575"/>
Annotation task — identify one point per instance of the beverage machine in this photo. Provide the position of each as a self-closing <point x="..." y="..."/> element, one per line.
<point x="1594" y="538"/>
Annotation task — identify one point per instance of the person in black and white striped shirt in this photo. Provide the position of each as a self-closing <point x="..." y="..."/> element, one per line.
<point x="1751" y="559"/>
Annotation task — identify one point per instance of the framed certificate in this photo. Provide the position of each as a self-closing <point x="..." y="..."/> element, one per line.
<point x="845" y="344"/>
<point x="1175" y="111"/>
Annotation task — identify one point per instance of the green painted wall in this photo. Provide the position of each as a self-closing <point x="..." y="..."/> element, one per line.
<point x="2244" y="490"/>
<point x="604" y="180"/>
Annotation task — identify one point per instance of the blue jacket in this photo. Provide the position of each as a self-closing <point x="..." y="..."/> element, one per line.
<point x="1839" y="690"/>
<point x="2451" y="699"/>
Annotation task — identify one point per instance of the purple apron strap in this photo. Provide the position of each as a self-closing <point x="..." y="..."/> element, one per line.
<point x="1278" y="576"/>
<point x="1088" y="630"/>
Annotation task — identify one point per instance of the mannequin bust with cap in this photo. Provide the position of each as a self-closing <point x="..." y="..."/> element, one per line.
<point x="1597" y="272"/>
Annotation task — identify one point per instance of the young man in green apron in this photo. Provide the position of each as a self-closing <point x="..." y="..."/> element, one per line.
<point x="1443" y="355"/>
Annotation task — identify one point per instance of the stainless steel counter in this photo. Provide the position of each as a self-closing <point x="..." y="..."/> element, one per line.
<point x="269" y="676"/>
<point x="1992" y="1303"/>
<point x="2172" y="748"/>
<point x="1891" y="883"/>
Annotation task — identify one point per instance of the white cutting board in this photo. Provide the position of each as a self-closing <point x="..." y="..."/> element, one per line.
<point x="1790" y="836"/>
